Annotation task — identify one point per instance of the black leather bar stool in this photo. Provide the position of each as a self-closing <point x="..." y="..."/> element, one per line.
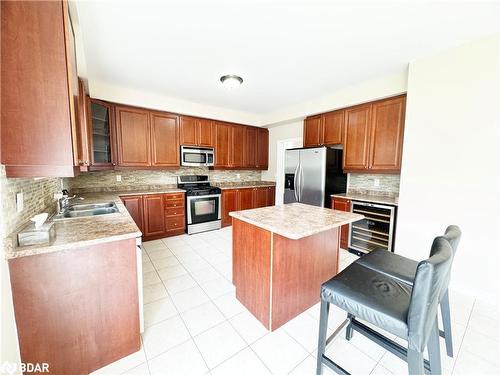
<point x="392" y="305"/>
<point x="404" y="269"/>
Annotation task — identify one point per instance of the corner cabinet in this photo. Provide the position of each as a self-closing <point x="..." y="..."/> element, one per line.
<point x="102" y="135"/>
<point x="40" y="120"/>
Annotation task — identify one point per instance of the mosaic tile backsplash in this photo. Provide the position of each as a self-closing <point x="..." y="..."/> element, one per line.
<point x="107" y="179"/>
<point x="363" y="183"/>
<point x="38" y="194"/>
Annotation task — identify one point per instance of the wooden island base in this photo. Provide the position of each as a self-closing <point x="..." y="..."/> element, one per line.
<point x="278" y="278"/>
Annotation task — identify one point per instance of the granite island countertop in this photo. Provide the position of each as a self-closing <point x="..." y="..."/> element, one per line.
<point x="243" y="184"/>
<point x="80" y="232"/>
<point x="295" y="220"/>
<point x="372" y="198"/>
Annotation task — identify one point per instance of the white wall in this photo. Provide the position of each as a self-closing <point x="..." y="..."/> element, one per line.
<point x="130" y="96"/>
<point x="451" y="161"/>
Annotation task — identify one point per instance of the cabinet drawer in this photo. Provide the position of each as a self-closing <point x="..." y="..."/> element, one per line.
<point x="174" y="203"/>
<point x="174" y="211"/>
<point x="173" y="223"/>
<point x="174" y="196"/>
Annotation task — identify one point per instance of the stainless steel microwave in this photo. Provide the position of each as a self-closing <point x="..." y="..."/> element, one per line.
<point x="197" y="156"/>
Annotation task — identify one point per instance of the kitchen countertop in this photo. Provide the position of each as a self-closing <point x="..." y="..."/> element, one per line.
<point x="295" y="220"/>
<point x="85" y="231"/>
<point x="243" y="184"/>
<point x="373" y="198"/>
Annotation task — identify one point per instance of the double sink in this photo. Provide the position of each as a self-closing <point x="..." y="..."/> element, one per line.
<point x="85" y="210"/>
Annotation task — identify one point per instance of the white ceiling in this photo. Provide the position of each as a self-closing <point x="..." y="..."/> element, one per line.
<point x="286" y="51"/>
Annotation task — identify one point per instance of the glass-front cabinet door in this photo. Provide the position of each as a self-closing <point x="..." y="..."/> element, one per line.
<point x="101" y="121"/>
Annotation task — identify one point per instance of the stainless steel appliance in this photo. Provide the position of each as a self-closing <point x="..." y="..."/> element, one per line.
<point x="197" y="156"/>
<point x="313" y="174"/>
<point x="203" y="203"/>
<point x="375" y="231"/>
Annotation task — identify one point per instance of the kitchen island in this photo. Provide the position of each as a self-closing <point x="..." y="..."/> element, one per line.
<point x="282" y="255"/>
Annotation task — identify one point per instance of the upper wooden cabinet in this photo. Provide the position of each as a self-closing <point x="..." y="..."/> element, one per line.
<point x="196" y="132"/>
<point x="237" y="149"/>
<point x="386" y="137"/>
<point x="357" y="131"/>
<point x="164" y="139"/>
<point x="222" y="144"/>
<point x="374" y="136"/>
<point x="40" y="123"/>
<point x="102" y="143"/>
<point x="133" y="137"/>
<point x="250" y="150"/>
<point x="262" y="151"/>
<point x="324" y="129"/>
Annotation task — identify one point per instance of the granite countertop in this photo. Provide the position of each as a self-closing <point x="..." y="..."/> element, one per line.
<point x="295" y="220"/>
<point x="85" y="231"/>
<point x="243" y="184"/>
<point x="373" y="198"/>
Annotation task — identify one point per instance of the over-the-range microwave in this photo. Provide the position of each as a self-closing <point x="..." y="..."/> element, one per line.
<point x="197" y="156"/>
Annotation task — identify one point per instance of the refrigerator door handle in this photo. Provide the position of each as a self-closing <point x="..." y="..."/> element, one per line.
<point x="301" y="179"/>
<point x="295" y="183"/>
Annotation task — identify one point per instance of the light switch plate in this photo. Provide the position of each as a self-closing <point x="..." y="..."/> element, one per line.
<point x="118" y="178"/>
<point x="19" y="202"/>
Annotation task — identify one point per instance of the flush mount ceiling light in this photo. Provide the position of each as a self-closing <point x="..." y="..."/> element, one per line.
<point x="231" y="81"/>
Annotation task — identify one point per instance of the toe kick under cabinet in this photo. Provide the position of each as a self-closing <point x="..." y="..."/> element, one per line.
<point x="157" y="215"/>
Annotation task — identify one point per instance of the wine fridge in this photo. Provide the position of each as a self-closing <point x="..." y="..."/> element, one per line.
<point x="373" y="232"/>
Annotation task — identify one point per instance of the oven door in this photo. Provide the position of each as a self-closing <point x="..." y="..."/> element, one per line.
<point x="203" y="208"/>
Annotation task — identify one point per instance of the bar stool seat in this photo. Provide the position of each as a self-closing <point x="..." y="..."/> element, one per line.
<point x="390" y="264"/>
<point x="370" y="296"/>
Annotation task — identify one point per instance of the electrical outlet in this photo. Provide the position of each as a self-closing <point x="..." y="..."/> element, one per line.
<point x="376" y="182"/>
<point x="118" y="178"/>
<point x="19" y="202"/>
<point x="238" y="175"/>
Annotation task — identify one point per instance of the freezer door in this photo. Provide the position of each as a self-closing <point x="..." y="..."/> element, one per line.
<point x="312" y="176"/>
<point x="292" y="160"/>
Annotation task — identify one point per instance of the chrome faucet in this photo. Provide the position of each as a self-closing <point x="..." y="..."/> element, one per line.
<point x="63" y="203"/>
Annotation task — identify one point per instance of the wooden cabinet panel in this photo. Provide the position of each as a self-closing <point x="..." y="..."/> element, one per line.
<point x="222" y="144"/>
<point x="133" y="136"/>
<point x="83" y="134"/>
<point x="250" y="151"/>
<point x="260" y="197"/>
<point x="134" y="206"/>
<point x="229" y="203"/>
<point x="189" y="131"/>
<point x="262" y="157"/>
<point x="205" y="131"/>
<point x="38" y="74"/>
<point x="245" y="199"/>
<point x="333" y="125"/>
<point x="313" y="131"/>
<point x="238" y="134"/>
<point x="271" y="194"/>
<point x="154" y="216"/>
<point x="165" y="139"/>
<point x="356" y="137"/>
<point x="386" y="140"/>
<point x="102" y="134"/>
<point x="342" y="205"/>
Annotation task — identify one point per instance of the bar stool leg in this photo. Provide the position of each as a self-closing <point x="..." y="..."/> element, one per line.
<point x="434" y="351"/>
<point x="323" y="329"/>
<point x="445" y="315"/>
<point x="415" y="362"/>
<point x="349" y="330"/>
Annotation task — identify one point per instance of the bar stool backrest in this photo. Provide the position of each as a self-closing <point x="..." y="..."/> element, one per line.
<point x="431" y="280"/>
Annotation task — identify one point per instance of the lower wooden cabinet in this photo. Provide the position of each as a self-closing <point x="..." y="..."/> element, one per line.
<point x="245" y="199"/>
<point x="342" y="204"/>
<point x="157" y="215"/>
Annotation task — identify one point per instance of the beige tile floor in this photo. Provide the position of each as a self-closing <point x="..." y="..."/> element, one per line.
<point x="195" y="325"/>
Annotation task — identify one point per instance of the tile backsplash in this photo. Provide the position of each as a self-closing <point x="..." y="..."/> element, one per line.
<point x="130" y="178"/>
<point x="38" y="194"/>
<point x="363" y="182"/>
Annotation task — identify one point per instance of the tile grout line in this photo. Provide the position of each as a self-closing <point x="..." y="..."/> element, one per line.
<point x="463" y="337"/>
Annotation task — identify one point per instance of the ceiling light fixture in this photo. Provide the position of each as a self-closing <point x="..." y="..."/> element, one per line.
<point x="231" y="81"/>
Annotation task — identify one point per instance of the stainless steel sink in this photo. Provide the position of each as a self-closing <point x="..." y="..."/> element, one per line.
<point x="85" y="210"/>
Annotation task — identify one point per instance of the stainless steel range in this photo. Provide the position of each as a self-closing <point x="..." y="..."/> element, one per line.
<point x="203" y="203"/>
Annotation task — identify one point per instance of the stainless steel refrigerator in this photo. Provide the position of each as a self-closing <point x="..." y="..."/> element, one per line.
<point x="313" y="174"/>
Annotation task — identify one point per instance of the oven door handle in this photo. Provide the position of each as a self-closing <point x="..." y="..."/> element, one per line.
<point x="203" y="196"/>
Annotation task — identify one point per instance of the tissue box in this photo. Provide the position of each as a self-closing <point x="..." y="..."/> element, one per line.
<point x="29" y="235"/>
